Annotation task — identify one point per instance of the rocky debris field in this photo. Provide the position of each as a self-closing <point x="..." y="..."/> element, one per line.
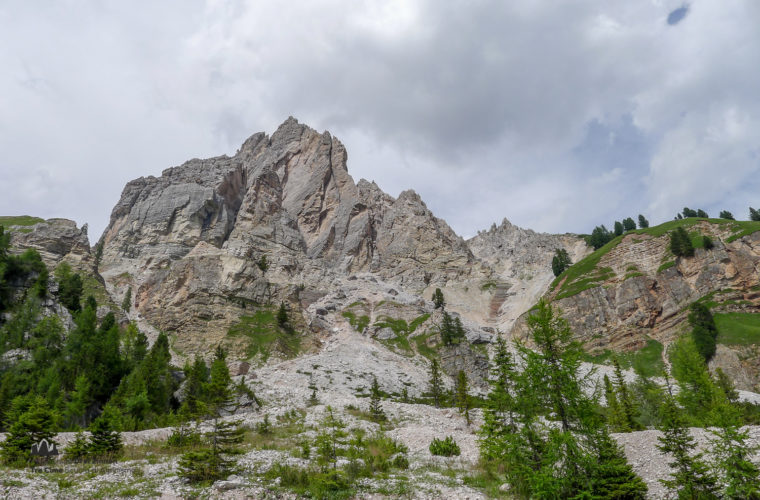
<point x="341" y="373"/>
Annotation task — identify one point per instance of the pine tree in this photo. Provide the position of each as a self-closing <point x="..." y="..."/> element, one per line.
<point x="447" y="329"/>
<point x="35" y="424"/>
<point x="438" y="300"/>
<point x="282" y="315"/>
<point x="725" y="214"/>
<point x="126" y="304"/>
<point x="560" y="261"/>
<point x="702" y="213"/>
<point x="615" y="416"/>
<point x="105" y="439"/>
<point x="733" y="454"/>
<point x="618" y="228"/>
<point x="629" y="224"/>
<point x="704" y="331"/>
<point x="726" y="385"/>
<point x="77" y="449"/>
<point x="329" y="439"/>
<point x="627" y="404"/>
<point x="436" y="384"/>
<point x="569" y="457"/>
<point x="680" y="243"/>
<point x="375" y="408"/>
<point x="697" y="391"/>
<point x="211" y="464"/>
<point x="643" y="222"/>
<point x="691" y="478"/>
<point x="462" y="396"/>
<point x="499" y="413"/>
<point x="614" y="478"/>
<point x="754" y="215"/>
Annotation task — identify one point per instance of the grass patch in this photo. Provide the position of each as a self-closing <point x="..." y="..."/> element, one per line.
<point x="665" y="266"/>
<point x="359" y="323"/>
<point x="487" y="285"/>
<point x="264" y="335"/>
<point x="632" y="275"/>
<point x="738" y="328"/>
<point x="422" y="346"/>
<point x="19" y="220"/>
<point x="647" y="360"/>
<point x="743" y="228"/>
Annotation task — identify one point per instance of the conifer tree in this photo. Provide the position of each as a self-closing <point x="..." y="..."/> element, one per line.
<point x="560" y="261"/>
<point x="754" y="215"/>
<point x="126" y="304"/>
<point x="375" y="408"/>
<point x="629" y="224"/>
<point x="625" y="399"/>
<point x="499" y="413"/>
<point x="733" y="454"/>
<point x="643" y="222"/>
<point x="697" y="390"/>
<point x="462" y="395"/>
<point x="725" y="214"/>
<point x="704" y="332"/>
<point x="691" y="478"/>
<point x="726" y="385"/>
<point x="571" y="457"/>
<point x="618" y="228"/>
<point x="211" y="464"/>
<point x="435" y="383"/>
<point x="105" y="439"/>
<point x="438" y="300"/>
<point x="328" y="441"/>
<point x="282" y="315"/>
<point x="615" y="416"/>
<point x="77" y="449"/>
<point x="38" y="422"/>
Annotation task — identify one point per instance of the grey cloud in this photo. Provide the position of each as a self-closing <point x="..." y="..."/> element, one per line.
<point x="557" y="116"/>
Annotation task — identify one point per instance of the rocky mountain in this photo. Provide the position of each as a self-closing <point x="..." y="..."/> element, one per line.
<point x="634" y="289"/>
<point x="190" y="243"/>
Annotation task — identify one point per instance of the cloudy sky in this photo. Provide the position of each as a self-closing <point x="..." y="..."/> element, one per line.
<point x="557" y="115"/>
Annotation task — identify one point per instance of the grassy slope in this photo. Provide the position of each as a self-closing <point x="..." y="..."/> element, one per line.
<point x="264" y="334"/>
<point x="19" y="220"/>
<point x="585" y="274"/>
<point x="738" y="328"/>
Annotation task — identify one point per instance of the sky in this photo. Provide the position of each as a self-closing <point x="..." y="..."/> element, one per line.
<point x="559" y="116"/>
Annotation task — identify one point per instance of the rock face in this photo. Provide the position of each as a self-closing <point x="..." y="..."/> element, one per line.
<point x="189" y="242"/>
<point x="521" y="260"/>
<point x="644" y="292"/>
<point x="56" y="240"/>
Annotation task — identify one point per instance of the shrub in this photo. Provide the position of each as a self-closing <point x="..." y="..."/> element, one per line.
<point x="445" y="447"/>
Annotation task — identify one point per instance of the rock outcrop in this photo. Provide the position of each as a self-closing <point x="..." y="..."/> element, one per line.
<point x="190" y="242"/>
<point x="56" y="240"/>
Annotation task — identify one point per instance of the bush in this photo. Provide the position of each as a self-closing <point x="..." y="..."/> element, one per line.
<point x="707" y="242"/>
<point x="445" y="447"/>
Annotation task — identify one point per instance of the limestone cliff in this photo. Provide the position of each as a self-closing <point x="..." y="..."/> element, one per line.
<point x="635" y="289"/>
<point x="189" y="242"/>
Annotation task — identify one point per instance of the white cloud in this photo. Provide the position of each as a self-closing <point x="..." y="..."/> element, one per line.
<point x="488" y="109"/>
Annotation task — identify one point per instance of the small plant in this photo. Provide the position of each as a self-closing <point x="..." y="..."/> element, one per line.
<point x="707" y="242"/>
<point x="264" y="427"/>
<point x="445" y="447"/>
<point x="263" y="263"/>
<point x="375" y="408"/>
<point x="438" y="301"/>
<point x="313" y="399"/>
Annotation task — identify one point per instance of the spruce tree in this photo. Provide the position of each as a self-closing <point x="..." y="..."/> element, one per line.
<point x="438" y="300"/>
<point x="725" y="214"/>
<point x="462" y="396"/>
<point x="375" y="408"/>
<point x="704" y="332"/>
<point x="733" y="454"/>
<point x="126" y="304"/>
<point x="625" y="399"/>
<point x="691" y="478"/>
<point x="754" y="215"/>
<point x="211" y="464"/>
<point x="615" y="416"/>
<point x="629" y="224"/>
<point x="38" y="422"/>
<point x="643" y="222"/>
<point x="282" y="316"/>
<point x="618" y="228"/>
<point x="560" y="261"/>
<point x="436" y="384"/>
<point x="105" y="439"/>
<point x="499" y="413"/>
